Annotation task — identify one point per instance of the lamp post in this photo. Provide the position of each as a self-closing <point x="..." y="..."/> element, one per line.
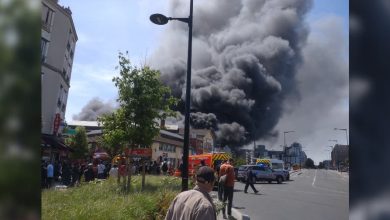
<point x="331" y="153"/>
<point x="346" y="132"/>
<point x="285" y="146"/>
<point x="160" y="19"/>
<point x="284" y="134"/>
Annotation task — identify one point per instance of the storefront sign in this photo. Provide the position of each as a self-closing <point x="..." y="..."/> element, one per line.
<point x="143" y="152"/>
<point x="57" y="121"/>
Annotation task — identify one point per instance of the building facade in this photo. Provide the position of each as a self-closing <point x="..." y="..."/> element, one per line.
<point x="168" y="146"/>
<point x="294" y="155"/>
<point x="58" y="43"/>
<point x="340" y="156"/>
<point x="201" y="140"/>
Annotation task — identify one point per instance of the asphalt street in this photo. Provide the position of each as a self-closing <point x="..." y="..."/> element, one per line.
<point x="310" y="194"/>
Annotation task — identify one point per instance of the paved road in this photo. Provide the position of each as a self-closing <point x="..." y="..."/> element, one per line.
<point x="311" y="195"/>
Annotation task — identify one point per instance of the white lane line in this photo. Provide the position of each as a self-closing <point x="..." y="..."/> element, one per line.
<point x="314" y="180"/>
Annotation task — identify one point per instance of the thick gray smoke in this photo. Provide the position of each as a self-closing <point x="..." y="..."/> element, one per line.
<point x="93" y="110"/>
<point x="245" y="57"/>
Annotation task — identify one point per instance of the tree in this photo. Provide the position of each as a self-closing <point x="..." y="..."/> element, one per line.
<point x="238" y="161"/>
<point x="79" y="143"/>
<point x="143" y="99"/>
<point x="309" y="163"/>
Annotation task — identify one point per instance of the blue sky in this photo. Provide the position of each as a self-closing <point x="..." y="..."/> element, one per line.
<point x="106" y="27"/>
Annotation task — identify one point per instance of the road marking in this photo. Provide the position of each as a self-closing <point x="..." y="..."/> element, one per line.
<point x="315" y="176"/>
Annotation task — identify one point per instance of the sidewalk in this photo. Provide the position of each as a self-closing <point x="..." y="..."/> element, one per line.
<point x="237" y="215"/>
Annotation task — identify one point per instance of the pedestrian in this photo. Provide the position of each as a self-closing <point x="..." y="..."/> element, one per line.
<point x="50" y="174"/>
<point x="250" y="179"/>
<point x="66" y="174"/>
<point x="228" y="186"/>
<point x="114" y="171"/>
<point x="100" y="170"/>
<point x="75" y="174"/>
<point x="195" y="204"/>
<point x="88" y="173"/>
<point x="43" y="174"/>
<point x="220" y="183"/>
<point x="164" y="167"/>
<point x="202" y="163"/>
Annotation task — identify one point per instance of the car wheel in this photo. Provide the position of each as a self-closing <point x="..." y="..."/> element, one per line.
<point x="279" y="179"/>
<point x="269" y="181"/>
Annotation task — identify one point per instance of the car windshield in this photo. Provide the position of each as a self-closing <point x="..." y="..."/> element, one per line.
<point x="242" y="168"/>
<point x="277" y="166"/>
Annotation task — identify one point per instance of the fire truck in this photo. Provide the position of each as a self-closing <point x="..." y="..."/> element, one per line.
<point x="211" y="159"/>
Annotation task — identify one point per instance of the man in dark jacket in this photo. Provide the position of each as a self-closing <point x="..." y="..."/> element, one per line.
<point x="250" y="179"/>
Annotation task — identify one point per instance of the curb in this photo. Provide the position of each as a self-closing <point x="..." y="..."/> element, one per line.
<point x="236" y="214"/>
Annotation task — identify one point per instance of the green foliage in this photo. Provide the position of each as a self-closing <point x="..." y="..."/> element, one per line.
<point x="238" y="161"/>
<point x="309" y="163"/>
<point x="142" y="99"/>
<point x="105" y="200"/>
<point x="20" y="113"/>
<point x="79" y="143"/>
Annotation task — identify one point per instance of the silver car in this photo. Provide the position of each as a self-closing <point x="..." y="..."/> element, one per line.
<point x="262" y="173"/>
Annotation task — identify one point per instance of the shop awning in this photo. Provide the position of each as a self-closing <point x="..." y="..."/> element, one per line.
<point x="50" y="141"/>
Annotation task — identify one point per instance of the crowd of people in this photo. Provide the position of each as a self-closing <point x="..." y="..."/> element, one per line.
<point x="71" y="173"/>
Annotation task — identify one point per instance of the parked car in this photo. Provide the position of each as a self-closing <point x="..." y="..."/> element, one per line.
<point x="262" y="173"/>
<point x="241" y="172"/>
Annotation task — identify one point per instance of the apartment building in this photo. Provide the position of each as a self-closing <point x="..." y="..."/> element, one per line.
<point x="58" y="43"/>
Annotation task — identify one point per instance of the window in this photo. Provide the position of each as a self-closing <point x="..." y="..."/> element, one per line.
<point x="71" y="54"/>
<point x="44" y="46"/>
<point x="68" y="46"/>
<point x="63" y="73"/>
<point x="60" y="96"/>
<point x="47" y="16"/>
<point x="167" y="147"/>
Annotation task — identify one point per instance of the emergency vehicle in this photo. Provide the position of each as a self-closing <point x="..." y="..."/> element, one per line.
<point x="276" y="165"/>
<point x="212" y="160"/>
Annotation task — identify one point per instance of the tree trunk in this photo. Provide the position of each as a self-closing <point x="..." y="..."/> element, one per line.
<point x="129" y="164"/>
<point x="143" y="176"/>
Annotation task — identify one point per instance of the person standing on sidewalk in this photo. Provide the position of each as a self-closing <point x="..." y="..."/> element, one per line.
<point x="50" y="174"/>
<point x="228" y="188"/>
<point x="195" y="204"/>
<point x="250" y="179"/>
<point x="221" y="184"/>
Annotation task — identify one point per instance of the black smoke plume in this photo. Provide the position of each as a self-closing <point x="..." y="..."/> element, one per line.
<point x="244" y="61"/>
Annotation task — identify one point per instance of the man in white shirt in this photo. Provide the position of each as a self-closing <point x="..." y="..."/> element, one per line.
<point x="101" y="167"/>
<point x="114" y="171"/>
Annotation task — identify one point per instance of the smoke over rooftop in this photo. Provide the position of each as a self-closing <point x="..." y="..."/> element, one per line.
<point x="245" y="57"/>
<point x="93" y="109"/>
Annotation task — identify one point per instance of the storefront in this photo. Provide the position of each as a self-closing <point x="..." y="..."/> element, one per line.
<point x="53" y="149"/>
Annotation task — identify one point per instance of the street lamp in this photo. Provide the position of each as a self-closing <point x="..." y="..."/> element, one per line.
<point x="331" y="153"/>
<point x="160" y="19"/>
<point x="346" y="132"/>
<point x="285" y="146"/>
<point x="284" y="134"/>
